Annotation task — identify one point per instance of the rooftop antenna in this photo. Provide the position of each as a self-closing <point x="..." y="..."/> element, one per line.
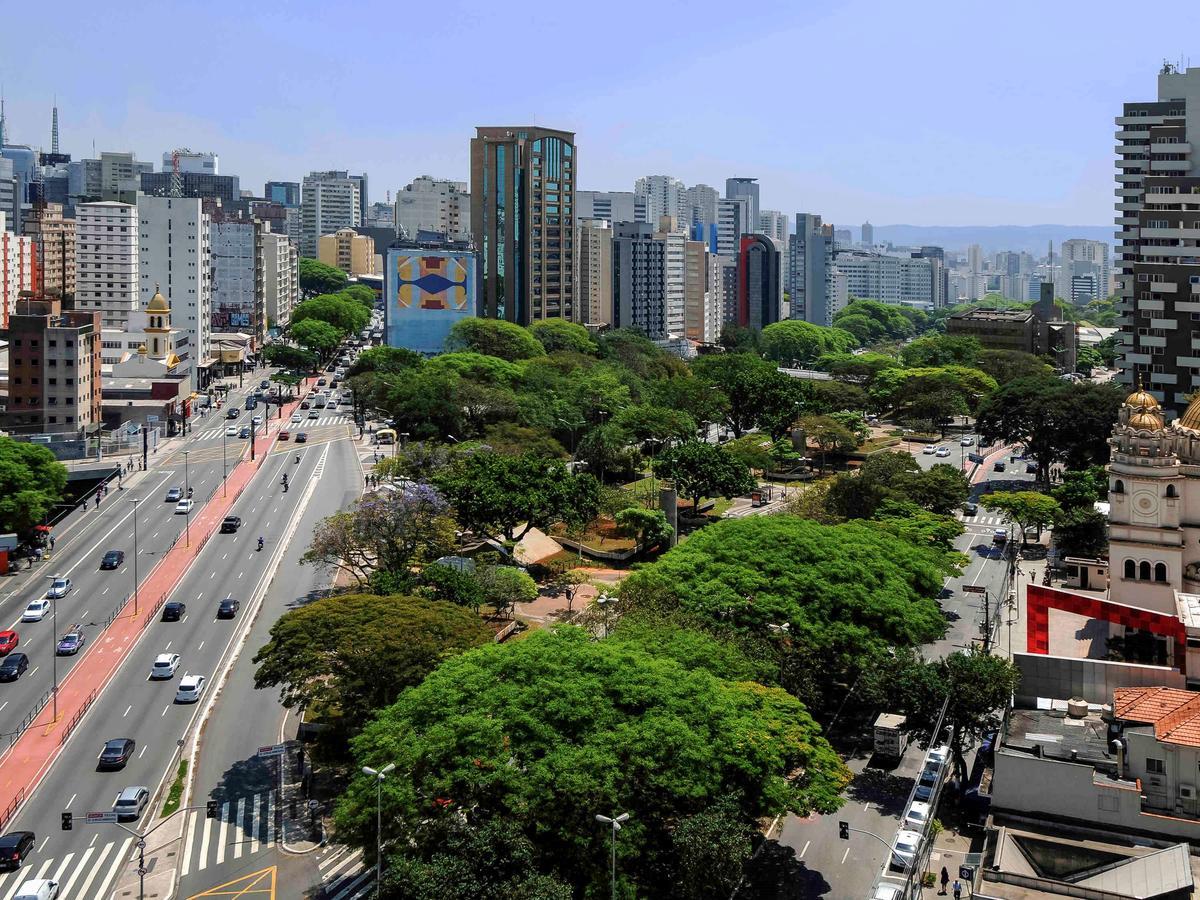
<point x="54" y="128"/>
<point x="2" y="123"/>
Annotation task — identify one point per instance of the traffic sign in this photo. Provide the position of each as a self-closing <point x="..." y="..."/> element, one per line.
<point x="974" y="589"/>
<point x="273" y="750"/>
<point x="101" y="818"/>
<point x="314" y="804"/>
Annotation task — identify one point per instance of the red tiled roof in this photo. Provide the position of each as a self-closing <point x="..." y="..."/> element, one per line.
<point x="1175" y="714"/>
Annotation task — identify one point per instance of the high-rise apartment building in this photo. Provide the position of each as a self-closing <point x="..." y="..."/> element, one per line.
<point x="733" y="221"/>
<point x="812" y="290"/>
<point x="285" y="193"/>
<point x="175" y="259"/>
<point x="714" y="312"/>
<point x="663" y="196"/>
<point x="349" y="251"/>
<point x="868" y="235"/>
<point x="760" y="296"/>
<point x="774" y="225"/>
<point x="974" y="259"/>
<point x="748" y="188"/>
<point x="17" y="269"/>
<point x="329" y="201"/>
<point x="238" y="302"/>
<point x="674" y="249"/>
<point x="53" y="369"/>
<point x="523" y="221"/>
<point x="896" y="280"/>
<point x="1159" y="267"/>
<point x="436" y="205"/>
<point x="1089" y="259"/>
<point x="612" y="206"/>
<point x="53" y="238"/>
<point x="594" y="271"/>
<point x="106" y="261"/>
<point x="10" y="205"/>
<point x="639" y="279"/>
<point x="698" y="321"/>
<point x="281" y="278"/>
<point x="700" y="208"/>
<point x="121" y="176"/>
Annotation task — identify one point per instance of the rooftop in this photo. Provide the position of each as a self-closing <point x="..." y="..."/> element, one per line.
<point x="1059" y="736"/>
<point x="991" y="314"/>
<point x="1188" y="607"/>
<point x="1175" y="714"/>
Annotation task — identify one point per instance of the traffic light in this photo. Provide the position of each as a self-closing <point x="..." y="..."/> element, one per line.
<point x="210" y="809"/>
<point x="66" y="822"/>
<point x="844" y="830"/>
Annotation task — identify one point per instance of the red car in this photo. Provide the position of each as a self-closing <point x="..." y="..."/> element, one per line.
<point x="8" y="642"/>
<point x="284" y="435"/>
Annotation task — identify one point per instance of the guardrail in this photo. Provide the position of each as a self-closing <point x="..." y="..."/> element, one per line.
<point x="112" y="617"/>
<point x="79" y="714"/>
<point x="14" y="735"/>
<point x="12" y="807"/>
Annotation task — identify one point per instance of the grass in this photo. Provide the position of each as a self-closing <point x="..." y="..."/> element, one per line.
<point x="175" y="794"/>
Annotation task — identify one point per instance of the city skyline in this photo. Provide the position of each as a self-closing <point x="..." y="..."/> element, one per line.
<point x="1007" y="140"/>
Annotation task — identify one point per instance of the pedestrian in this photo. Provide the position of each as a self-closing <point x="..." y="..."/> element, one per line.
<point x="97" y="501"/>
<point x="945" y="880"/>
<point x="957" y="890"/>
<point x="51" y="542"/>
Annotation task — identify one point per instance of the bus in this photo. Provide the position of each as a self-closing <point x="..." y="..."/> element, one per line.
<point x="385" y="436"/>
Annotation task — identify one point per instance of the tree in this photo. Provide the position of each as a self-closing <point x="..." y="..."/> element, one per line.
<point x="453" y="585"/>
<point x="898" y="477"/>
<point x="1006" y="365"/>
<point x="504" y="587"/>
<point x="559" y="334"/>
<point x="389" y="360"/>
<point x="648" y="527"/>
<point x="316" y="336"/>
<point x="359" y="293"/>
<point x="941" y="350"/>
<point x="511" y="440"/>
<point x="424" y="403"/>
<point x="490" y="370"/>
<point x="318" y="278"/>
<point x="524" y="733"/>
<point x="567" y="580"/>
<point x="387" y="532"/>
<point x="756" y="392"/>
<point x="829" y="435"/>
<point x="657" y="424"/>
<point x="1028" y="509"/>
<point x="711" y="850"/>
<point x="1081" y="532"/>
<point x="1082" y="489"/>
<point x="858" y="368"/>
<point x="885" y="321"/>
<point x="31" y="483"/>
<point x="607" y="452"/>
<point x="753" y="451"/>
<point x="700" y="399"/>
<point x="700" y="469"/>
<point x="920" y="526"/>
<point x="795" y="341"/>
<point x="325" y="655"/>
<point x="339" y="310"/>
<point x="493" y="337"/>
<point x="941" y="488"/>
<point x="290" y="357"/>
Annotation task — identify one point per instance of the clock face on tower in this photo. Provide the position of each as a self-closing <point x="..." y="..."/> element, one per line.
<point x="1145" y="504"/>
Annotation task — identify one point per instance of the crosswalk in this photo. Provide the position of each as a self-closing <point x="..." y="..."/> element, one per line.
<point x="243" y="827"/>
<point x="87" y="875"/>
<point x="984" y="520"/>
<point x="344" y="875"/>
<point x="320" y="422"/>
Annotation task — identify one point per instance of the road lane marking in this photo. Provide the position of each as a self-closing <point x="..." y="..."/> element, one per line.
<point x="807" y="844"/>
<point x="844" y="855"/>
<point x="185" y="865"/>
<point x="82" y="867"/>
<point x="168" y="647"/>
<point x="240" y="843"/>
<point x="62" y="867"/>
<point x="256" y="824"/>
<point x="201" y="647"/>
<point x="164" y="712"/>
<point x="103" y="592"/>
<point x="34" y="672"/>
<point x="113" y="871"/>
<point x="222" y="832"/>
<point x="127" y="709"/>
<point x="69" y="802"/>
<point x="143" y="751"/>
<point x="45" y="841"/>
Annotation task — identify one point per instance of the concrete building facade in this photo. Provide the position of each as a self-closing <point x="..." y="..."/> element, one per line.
<point x="329" y="201"/>
<point x="812" y="281"/>
<point x="17" y="269"/>
<point x="281" y="278"/>
<point x="53" y="236"/>
<point x="639" y="279"/>
<point x="736" y="188"/>
<point x="435" y="205"/>
<point x="894" y="280"/>
<point x="349" y="251"/>
<point x="107" y="261"/>
<point x="662" y="194"/>
<point x="612" y="206"/>
<point x="238" y="302"/>
<point x="594" y="271"/>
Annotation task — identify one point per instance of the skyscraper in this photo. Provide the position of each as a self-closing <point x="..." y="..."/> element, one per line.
<point x="106" y="261"/>
<point x="639" y="279"/>
<point x="662" y="194"/>
<point x="868" y="235"/>
<point x="328" y="201"/>
<point x="594" y="271"/>
<point x="745" y="187"/>
<point x="733" y="220"/>
<point x="759" y="294"/>
<point x="1094" y="257"/>
<point x="523" y="221"/>
<point x="811" y="273"/>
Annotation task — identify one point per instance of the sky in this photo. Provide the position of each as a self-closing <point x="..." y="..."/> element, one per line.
<point x="925" y="112"/>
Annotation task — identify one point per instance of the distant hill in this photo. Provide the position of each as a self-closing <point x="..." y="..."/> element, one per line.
<point x="992" y="238"/>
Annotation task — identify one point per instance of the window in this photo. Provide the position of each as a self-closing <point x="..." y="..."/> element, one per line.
<point x="1171" y="492"/>
<point x="1119" y="487"/>
<point x="1144" y="570"/>
<point x="1130" y="569"/>
<point x="1160" y="572"/>
<point x="1155" y="766"/>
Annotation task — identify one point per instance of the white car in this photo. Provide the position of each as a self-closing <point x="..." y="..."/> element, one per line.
<point x="183" y="507"/>
<point x="942" y="452"/>
<point x="938" y="755"/>
<point x="257" y="420"/>
<point x="296" y="419"/>
<point x="231" y="431"/>
<point x="886" y="890"/>
<point x="929" y="450"/>
<point x="917" y="816"/>
<point x="190" y="689"/>
<point x="904" y="849"/>
<point x="59" y="588"/>
<point x="967" y="442"/>
<point x="36" y="610"/>
<point x="164" y="666"/>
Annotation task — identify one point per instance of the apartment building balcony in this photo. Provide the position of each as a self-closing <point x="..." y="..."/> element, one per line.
<point x="1187" y="362"/>
<point x="1132" y="162"/>
<point x="1164" y="378"/>
<point x="1138" y="358"/>
<point x="1125" y="220"/>
<point x="1170" y="251"/>
<point x="1185" y="307"/>
<point x="1167" y="147"/>
<point x="1123" y="320"/>
<point x="1151" y="305"/>
<point x="1169" y="166"/>
<point x="1139" y="125"/>
<point x="1164" y="287"/>
<point x="1128" y="207"/>
<point x="1136" y="191"/>
<point x="1164" y="324"/>
<point x="1151" y="340"/>
<point x="1171" y="233"/>
<point x="1126" y="235"/>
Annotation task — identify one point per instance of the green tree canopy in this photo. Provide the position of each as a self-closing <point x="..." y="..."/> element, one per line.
<point x="649" y="527"/>
<point x="31" y="482"/>
<point x="386" y="360"/>
<point x="796" y="341"/>
<point x="478" y="367"/>
<point x="1028" y="509"/>
<point x="660" y="424"/>
<point x="493" y="337"/>
<point x="287" y="356"/>
<point x="559" y="334"/>
<point x="339" y="310"/>
<point x="360" y="293"/>
<point x="700" y="469"/>
<point x="316" y="336"/>
<point x="1007" y="365"/>
<point x="941" y="350"/>
<point x="896" y="476"/>
<point x="318" y="278"/>
<point x="886" y="321"/>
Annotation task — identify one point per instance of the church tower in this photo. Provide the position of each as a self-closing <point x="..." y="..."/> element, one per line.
<point x="158" y="331"/>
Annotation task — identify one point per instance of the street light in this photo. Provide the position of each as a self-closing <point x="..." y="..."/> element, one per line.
<point x="187" y="514"/>
<point x="54" y="653"/>
<point x="604" y="602"/>
<point x="379" y="775"/>
<point x="134" y="501"/>
<point x="783" y="631"/>
<point x="615" y="822"/>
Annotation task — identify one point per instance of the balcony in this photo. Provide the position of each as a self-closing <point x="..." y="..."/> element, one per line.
<point x="1164" y="287"/>
<point x="1163" y="378"/>
<point x="1187" y="362"/>
<point x="1167" y="166"/>
<point x="1151" y="340"/>
<point x="1149" y="304"/>
<point x="1184" y="307"/>
<point x="1164" y="324"/>
<point x="1164" y="147"/>
<point x="1136" y="162"/>
<point x="1125" y="220"/>
<point x="1139" y="123"/>
<point x="1129" y="192"/>
<point x="1126" y="235"/>
<point x="1138" y="358"/>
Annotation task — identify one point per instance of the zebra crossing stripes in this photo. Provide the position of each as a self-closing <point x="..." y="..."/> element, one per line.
<point x="209" y="434"/>
<point x="344" y="875"/>
<point x="244" y="826"/>
<point x="89" y="875"/>
<point x="982" y="520"/>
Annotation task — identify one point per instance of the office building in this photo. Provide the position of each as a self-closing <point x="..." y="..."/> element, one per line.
<point x="281" y="278"/>
<point x="1089" y="259"/>
<point x="106" y="261"/>
<point x="673" y="275"/>
<point x="868" y="235"/>
<point x="238" y="302"/>
<point x="594" y="271"/>
<point x="53" y="237"/>
<point x="363" y="202"/>
<point x="940" y="275"/>
<point x="760" y="294"/>
<point x="662" y="194"/>
<point x="121" y="177"/>
<point x="433" y="205"/>
<point x="699" y="323"/>
<point x="733" y="221"/>
<point x="53" y="369"/>
<point x="523" y="221"/>
<point x="225" y="188"/>
<point x="349" y="251"/>
<point x="774" y="225"/>
<point x="24" y="162"/>
<point x="329" y="201"/>
<point x="812" y="283"/>
<point x="736" y="188"/>
<point x="285" y="193"/>
<point x="612" y="206"/>
<point x="974" y="259"/>
<point x="1030" y="331"/>
<point x="427" y="287"/>
<point x="190" y="162"/>
<point x="381" y="215"/>
<point x="17" y="269"/>
<point x="175" y="260"/>
<point x="10" y="204"/>
<point x="700" y="208"/>
<point x="889" y="279"/>
<point x="639" y="279"/>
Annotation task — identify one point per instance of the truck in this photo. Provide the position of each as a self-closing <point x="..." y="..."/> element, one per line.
<point x="890" y="737"/>
<point x="319" y="401"/>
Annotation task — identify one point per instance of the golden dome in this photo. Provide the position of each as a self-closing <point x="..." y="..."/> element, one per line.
<point x="1142" y="399"/>
<point x="1146" y="420"/>
<point x="158" y="303"/>
<point x="142" y="350"/>
<point x="1191" y="416"/>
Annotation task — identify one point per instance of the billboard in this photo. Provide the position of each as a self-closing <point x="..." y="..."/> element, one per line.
<point x="427" y="291"/>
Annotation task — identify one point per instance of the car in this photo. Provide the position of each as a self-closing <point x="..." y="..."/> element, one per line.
<point x="184" y="506"/>
<point x="314" y="414"/>
<point x="305" y="404"/>
<point x="14" y="847"/>
<point x="1000" y="536"/>
<point x="904" y="849"/>
<point x="59" y="588"/>
<point x="8" y="641"/>
<point x="13" y="667"/>
<point x="264" y="384"/>
<point x="131" y="802"/>
<point x="967" y="442"/>
<point x="927" y="783"/>
<point x="231" y="431"/>
<point x="164" y="666"/>
<point x="37" y="889"/>
<point x="174" y="495"/>
<point x="70" y="643"/>
<point x="929" y="450"/>
<point x="115" y="753"/>
<point x="285" y="435"/>
<point x="230" y="524"/>
<point x="942" y="452"/>
<point x="938" y="754"/>
<point x="302" y="437"/>
<point x="1000" y="467"/>
<point x="113" y="559"/>
<point x="173" y="611"/>
<point x="36" y="610"/>
<point x="886" y="890"/>
<point x="320" y="382"/>
<point x="917" y="816"/>
<point x="233" y="412"/>
<point x="296" y="418"/>
<point x="228" y="608"/>
<point x="333" y="384"/>
<point x="190" y="689"/>
<point x="244" y="431"/>
<point x="257" y="420"/>
<point x="970" y="508"/>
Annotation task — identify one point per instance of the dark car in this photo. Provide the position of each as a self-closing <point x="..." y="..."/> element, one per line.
<point x="333" y="384"/>
<point x="8" y="641"/>
<point x="302" y="438"/>
<point x="174" y="495"/>
<point x="14" y="847"/>
<point x="116" y="753"/>
<point x="13" y="667"/>
<point x="70" y="643"/>
<point x="970" y="507"/>
<point x="113" y="559"/>
<point x="233" y="413"/>
<point x="304" y="404"/>
<point x="231" y="524"/>
<point x="228" y="608"/>
<point x="1000" y="467"/>
<point x="264" y="384"/>
<point x="320" y="382"/>
<point x="173" y="611"/>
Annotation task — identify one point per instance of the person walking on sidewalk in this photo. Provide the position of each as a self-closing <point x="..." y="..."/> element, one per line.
<point x="957" y="890"/>
<point x="945" y="880"/>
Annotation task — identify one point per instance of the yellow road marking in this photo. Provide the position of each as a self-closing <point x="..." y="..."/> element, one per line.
<point x="244" y="886"/>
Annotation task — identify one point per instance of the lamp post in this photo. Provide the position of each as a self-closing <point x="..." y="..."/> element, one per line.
<point x="783" y="631"/>
<point x="615" y="822"/>
<point x="134" y="501"/>
<point x="187" y="515"/>
<point x="379" y="775"/>
<point x="605" y="602"/>
<point x="54" y="653"/>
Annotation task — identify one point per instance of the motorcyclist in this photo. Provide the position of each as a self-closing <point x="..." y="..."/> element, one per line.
<point x="260" y="543"/>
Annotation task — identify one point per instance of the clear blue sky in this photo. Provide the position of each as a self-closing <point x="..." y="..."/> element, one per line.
<point x="928" y="112"/>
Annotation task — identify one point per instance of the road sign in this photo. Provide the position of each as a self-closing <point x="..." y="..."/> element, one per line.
<point x="273" y="750"/>
<point x="974" y="589"/>
<point x="314" y="804"/>
<point x="101" y="818"/>
<point x="967" y="873"/>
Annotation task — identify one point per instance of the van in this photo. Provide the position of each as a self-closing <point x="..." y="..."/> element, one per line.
<point x="37" y="889"/>
<point x="131" y="802"/>
<point x="318" y="401"/>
